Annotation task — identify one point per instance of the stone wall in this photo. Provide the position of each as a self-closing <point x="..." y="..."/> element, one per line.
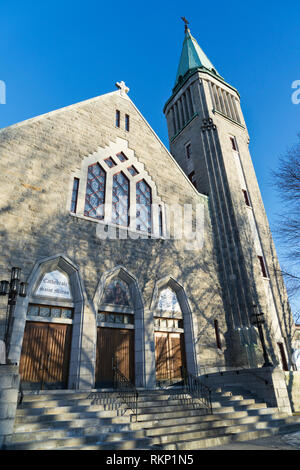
<point x="266" y="383"/>
<point x="292" y="379"/>
<point x="9" y="388"/>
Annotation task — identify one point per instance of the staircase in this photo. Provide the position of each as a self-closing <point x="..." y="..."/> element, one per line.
<point x="167" y="420"/>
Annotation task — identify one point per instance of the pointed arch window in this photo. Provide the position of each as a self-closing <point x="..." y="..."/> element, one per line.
<point x="95" y="192"/>
<point x="143" y="206"/>
<point x="168" y="302"/>
<point x="121" y="183"/>
<point x="116" y="303"/>
<point x="120" y="199"/>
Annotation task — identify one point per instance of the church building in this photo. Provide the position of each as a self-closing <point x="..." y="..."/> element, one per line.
<point x="134" y="255"/>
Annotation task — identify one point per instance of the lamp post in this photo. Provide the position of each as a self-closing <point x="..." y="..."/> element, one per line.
<point x="258" y="320"/>
<point x="12" y="288"/>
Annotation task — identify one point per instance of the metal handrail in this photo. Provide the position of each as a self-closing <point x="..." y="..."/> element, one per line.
<point x="200" y="392"/>
<point x="127" y="391"/>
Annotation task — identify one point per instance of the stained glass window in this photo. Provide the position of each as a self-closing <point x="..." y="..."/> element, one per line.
<point x="120" y="200"/>
<point x="115" y="318"/>
<point x="116" y="293"/>
<point x="49" y="311"/>
<point x="143" y="206"/>
<point x="95" y="192"/>
<point x="122" y="157"/>
<point x="110" y="162"/>
<point x="132" y="170"/>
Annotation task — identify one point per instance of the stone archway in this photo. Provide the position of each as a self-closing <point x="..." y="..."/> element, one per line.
<point x="53" y="301"/>
<point x="188" y="327"/>
<point x="143" y="375"/>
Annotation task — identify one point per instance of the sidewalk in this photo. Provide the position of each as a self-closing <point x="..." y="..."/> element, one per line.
<point x="278" y="442"/>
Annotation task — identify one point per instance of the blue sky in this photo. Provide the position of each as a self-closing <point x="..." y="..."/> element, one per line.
<point x="55" y="53"/>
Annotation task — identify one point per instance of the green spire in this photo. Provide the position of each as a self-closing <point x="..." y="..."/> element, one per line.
<point x="192" y="57"/>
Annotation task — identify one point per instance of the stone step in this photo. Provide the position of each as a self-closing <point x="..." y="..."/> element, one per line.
<point x="107" y="411"/>
<point x="177" y="438"/>
<point x="73" y="424"/>
<point x="113" y="403"/>
<point x="235" y="402"/>
<point x="68" y="417"/>
<point x="167" y="419"/>
<point x="154" y="427"/>
<point x="132" y="440"/>
<point x="196" y="444"/>
<point x="25" y="423"/>
<point x="199" y="420"/>
<point x="252" y="409"/>
<point x="78" y="442"/>
<point x="108" y="394"/>
<point x="89" y="431"/>
<point x="190" y="435"/>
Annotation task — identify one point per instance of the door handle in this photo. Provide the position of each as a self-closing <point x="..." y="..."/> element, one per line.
<point x="48" y="357"/>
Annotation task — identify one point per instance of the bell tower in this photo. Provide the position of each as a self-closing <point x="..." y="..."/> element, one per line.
<point x="209" y="139"/>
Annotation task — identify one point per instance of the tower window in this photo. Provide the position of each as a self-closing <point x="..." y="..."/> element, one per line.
<point x="233" y="143"/>
<point x="192" y="178"/>
<point x="74" y="195"/>
<point x="262" y="266"/>
<point x="117" y="118"/>
<point x="188" y="151"/>
<point x="218" y="337"/>
<point x="246" y="197"/>
<point x="127" y="122"/>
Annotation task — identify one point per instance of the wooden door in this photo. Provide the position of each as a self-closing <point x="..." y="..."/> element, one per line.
<point x="177" y="356"/>
<point x="114" y="343"/>
<point x="161" y="356"/>
<point x="169" y="355"/>
<point x="45" y="355"/>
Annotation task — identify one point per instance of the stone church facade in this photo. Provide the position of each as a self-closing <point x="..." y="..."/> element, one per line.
<point x="95" y="211"/>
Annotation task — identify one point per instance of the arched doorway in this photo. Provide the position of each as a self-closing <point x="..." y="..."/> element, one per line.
<point x="173" y="332"/>
<point x="115" y="333"/>
<point x="49" y="349"/>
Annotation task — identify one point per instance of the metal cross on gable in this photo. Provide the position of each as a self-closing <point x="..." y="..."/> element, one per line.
<point x="123" y="88"/>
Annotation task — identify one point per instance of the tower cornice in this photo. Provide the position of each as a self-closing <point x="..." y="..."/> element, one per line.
<point x="188" y="75"/>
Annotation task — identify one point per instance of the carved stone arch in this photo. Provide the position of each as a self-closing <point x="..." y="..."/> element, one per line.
<point x="189" y="322"/>
<point x="122" y="273"/>
<point x="140" y="337"/>
<point x="62" y="263"/>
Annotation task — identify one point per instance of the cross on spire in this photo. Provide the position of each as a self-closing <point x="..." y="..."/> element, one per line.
<point x="185" y="23"/>
<point x="122" y="87"/>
